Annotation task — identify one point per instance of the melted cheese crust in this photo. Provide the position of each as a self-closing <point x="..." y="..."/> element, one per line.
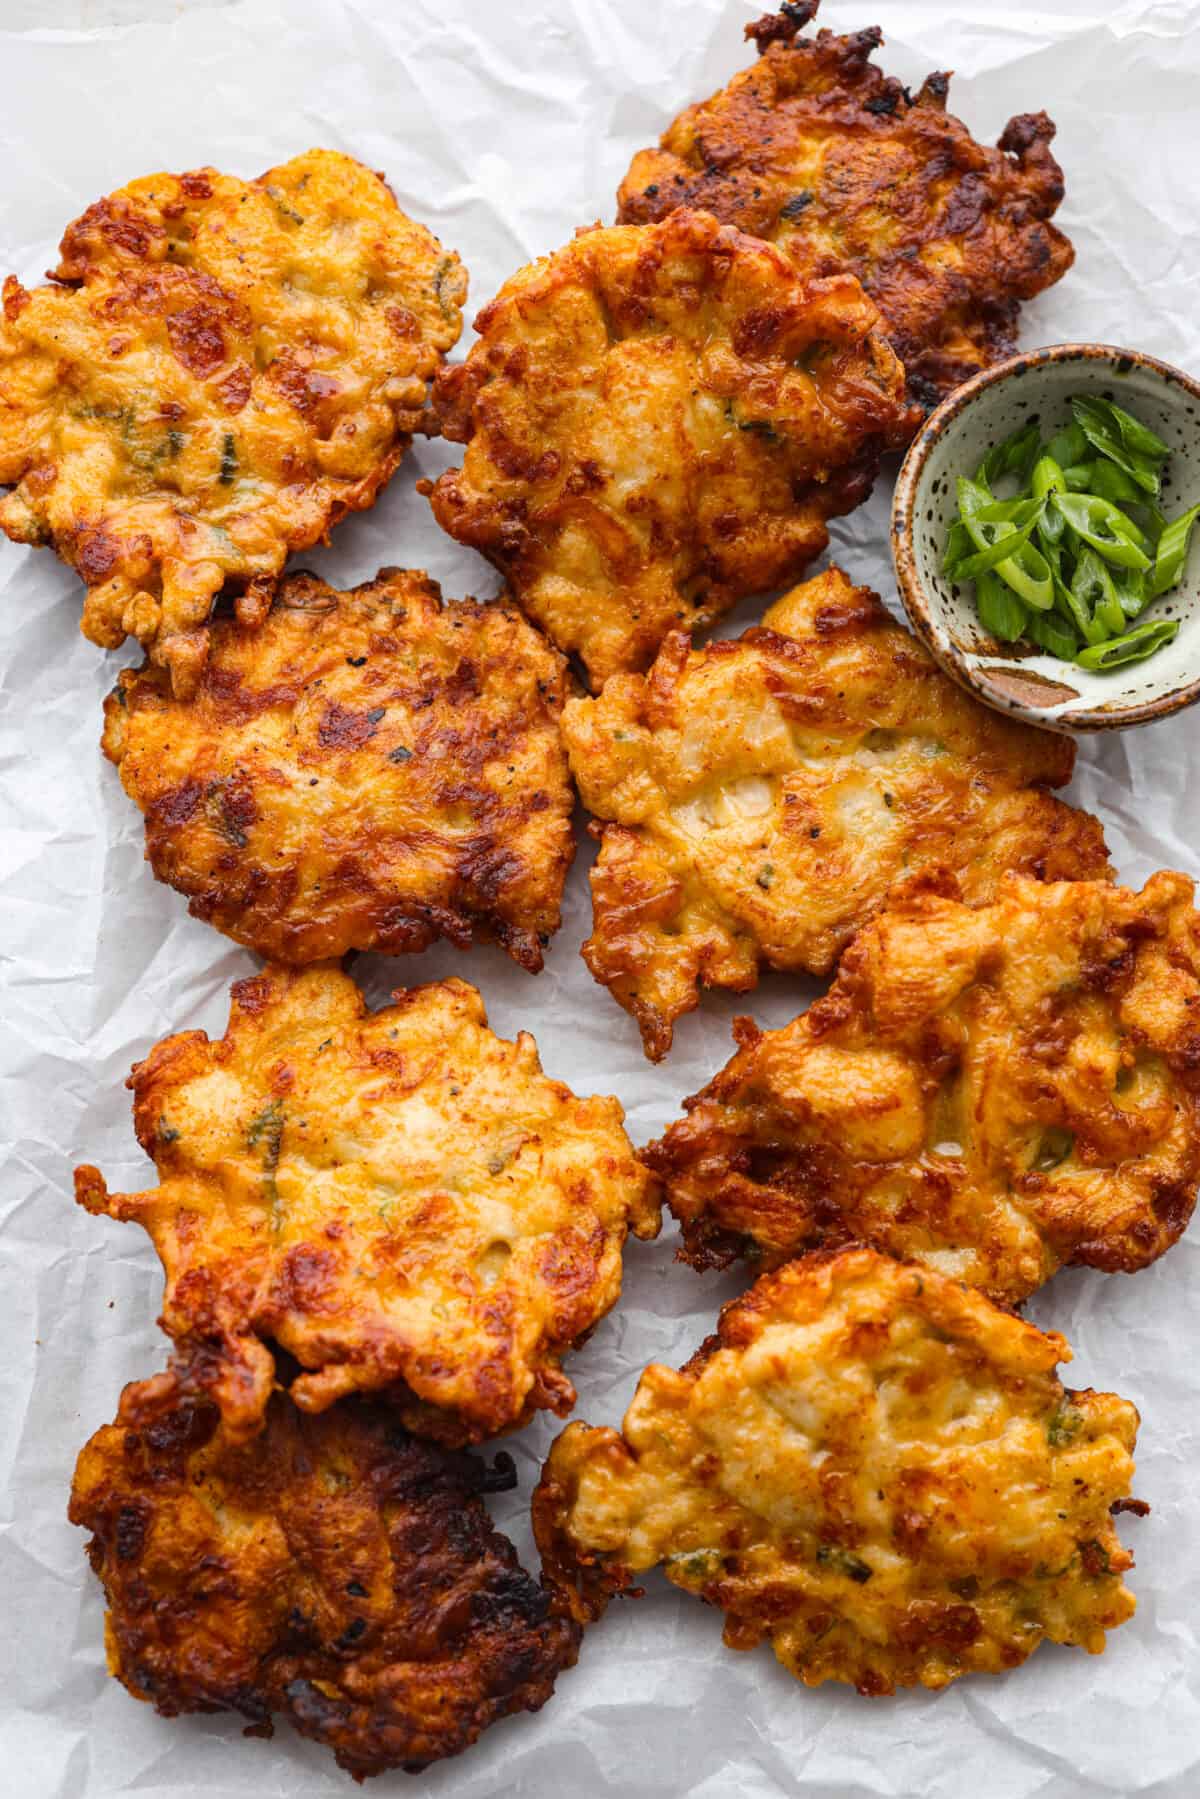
<point x="659" y="421"/>
<point x="991" y="1092"/>
<point x="399" y="1199"/>
<point x="816" y="150"/>
<point x="761" y="795"/>
<point x="369" y="770"/>
<point x="221" y="371"/>
<point x="871" y="1467"/>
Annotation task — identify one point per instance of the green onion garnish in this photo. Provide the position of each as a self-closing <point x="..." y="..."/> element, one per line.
<point x="1078" y="548"/>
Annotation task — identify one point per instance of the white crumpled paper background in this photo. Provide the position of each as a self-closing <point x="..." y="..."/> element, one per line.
<point x="504" y="124"/>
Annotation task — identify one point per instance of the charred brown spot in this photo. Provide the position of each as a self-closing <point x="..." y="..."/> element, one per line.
<point x="129" y="1532"/>
<point x="96" y="555"/>
<point x="307" y="1280"/>
<point x="403" y="322"/>
<point x="254" y="994"/>
<point x="302" y="387"/>
<point x="927" y="1623"/>
<point x="236" y="387"/>
<point x="346" y="728"/>
<point x="197" y="338"/>
<point x="177" y="805"/>
<point x="119" y="224"/>
<point x="756" y="333"/>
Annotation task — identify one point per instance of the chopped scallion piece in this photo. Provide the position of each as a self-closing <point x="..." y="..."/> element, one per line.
<point x="1133" y="646"/>
<point x="1105" y="528"/>
<point x="1171" y="553"/>
<point x="1052" y="633"/>
<point x="1000" y="611"/>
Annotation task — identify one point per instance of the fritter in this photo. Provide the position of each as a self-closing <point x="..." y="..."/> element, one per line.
<point x="369" y="770"/>
<point x="220" y="371"/>
<point x="761" y="795"/>
<point x="399" y="1199"/>
<point x="869" y="1466"/>
<point x="816" y="150"/>
<point x="334" y="1572"/>
<point x="992" y="1093"/>
<point x="658" y="421"/>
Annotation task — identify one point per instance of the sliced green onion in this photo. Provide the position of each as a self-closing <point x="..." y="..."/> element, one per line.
<point x="1153" y="520"/>
<point x="1000" y="611"/>
<point x="1047" y="478"/>
<point x="992" y="555"/>
<point x="1007" y="512"/>
<point x="958" y="548"/>
<point x="1132" y="589"/>
<point x="972" y="497"/>
<point x="1133" y="646"/>
<point x="1030" y="577"/>
<point x="1050" y="528"/>
<point x="1099" y="523"/>
<point x="1171" y="553"/>
<point x="1112" y="483"/>
<point x="1053" y="550"/>
<point x="1073" y="608"/>
<point x="1096" y="428"/>
<point x="1001" y="529"/>
<point x="1068" y="446"/>
<point x="1092" y="586"/>
<point x="1133" y="434"/>
<point x="1014" y="455"/>
<point x="1053" y="634"/>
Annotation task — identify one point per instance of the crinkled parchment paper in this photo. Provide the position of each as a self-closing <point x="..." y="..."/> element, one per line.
<point x="504" y="124"/>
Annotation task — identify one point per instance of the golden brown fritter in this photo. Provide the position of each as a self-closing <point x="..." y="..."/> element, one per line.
<point x="398" y="1199"/>
<point x="334" y="1572"/>
<point x="816" y="150"/>
<point x="658" y="421"/>
<point x="221" y="370"/>
<point x="368" y="770"/>
<point x="992" y="1093"/>
<point x="761" y="795"/>
<point x="871" y="1467"/>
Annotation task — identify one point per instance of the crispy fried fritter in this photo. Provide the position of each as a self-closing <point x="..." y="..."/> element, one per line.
<point x="399" y="1199"/>
<point x="992" y="1093"/>
<point x="365" y="770"/>
<point x="870" y="1466"/>
<point x="222" y="370"/>
<point x="765" y="792"/>
<point x="334" y="1571"/>
<point x="659" y="421"/>
<point x="816" y="150"/>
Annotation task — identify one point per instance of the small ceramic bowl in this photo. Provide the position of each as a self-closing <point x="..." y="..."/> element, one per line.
<point x="954" y="440"/>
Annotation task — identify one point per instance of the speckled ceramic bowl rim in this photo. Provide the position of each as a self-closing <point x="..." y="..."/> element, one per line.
<point x="912" y="593"/>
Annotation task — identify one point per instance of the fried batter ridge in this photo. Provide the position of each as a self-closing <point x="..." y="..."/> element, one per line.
<point x="759" y="796"/>
<point x="871" y="1467"/>
<point x="659" y="420"/>
<point x="221" y="370"/>
<point x="369" y="770"/>
<point x="816" y="150"/>
<point x="993" y="1093"/>
<point x="334" y="1571"/>
<point x="400" y="1200"/>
